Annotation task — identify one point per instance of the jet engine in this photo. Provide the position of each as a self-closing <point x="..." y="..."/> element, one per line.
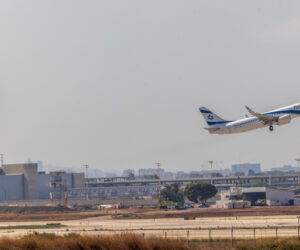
<point x="284" y="119"/>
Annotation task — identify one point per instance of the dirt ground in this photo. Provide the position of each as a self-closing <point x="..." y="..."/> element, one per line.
<point x="200" y="228"/>
<point x="58" y="213"/>
<point x="207" y="212"/>
<point x="215" y="223"/>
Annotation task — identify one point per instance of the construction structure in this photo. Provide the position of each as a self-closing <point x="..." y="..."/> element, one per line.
<point x="58" y="186"/>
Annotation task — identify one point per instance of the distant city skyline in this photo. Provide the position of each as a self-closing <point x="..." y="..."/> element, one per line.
<point x="96" y="172"/>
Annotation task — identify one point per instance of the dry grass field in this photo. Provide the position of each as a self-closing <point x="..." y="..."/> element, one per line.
<point x="74" y="242"/>
<point x="137" y="242"/>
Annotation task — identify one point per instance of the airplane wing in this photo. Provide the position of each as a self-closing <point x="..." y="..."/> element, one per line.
<point x="266" y="119"/>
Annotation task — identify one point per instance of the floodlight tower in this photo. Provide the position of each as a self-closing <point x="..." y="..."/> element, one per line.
<point x="211" y="165"/>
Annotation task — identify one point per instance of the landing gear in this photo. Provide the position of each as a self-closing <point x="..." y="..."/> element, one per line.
<point x="271" y="128"/>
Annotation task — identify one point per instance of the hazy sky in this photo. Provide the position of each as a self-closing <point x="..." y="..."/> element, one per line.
<point x="117" y="84"/>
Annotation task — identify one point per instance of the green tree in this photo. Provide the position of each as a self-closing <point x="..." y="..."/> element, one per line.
<point x="131" y="175"/>
<point x="200" y="191"/>
<point x="173" y="193"/>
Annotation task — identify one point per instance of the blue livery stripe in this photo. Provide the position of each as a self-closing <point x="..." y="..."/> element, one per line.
<point x="215" y="123"/>
<point x="297" y="112"/>
<point x="205" y="111"/>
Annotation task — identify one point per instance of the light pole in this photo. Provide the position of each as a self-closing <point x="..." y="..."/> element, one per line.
<point x="86" y="181"/>
<point x="158" y="174"/>
<point x="211" y="165"/>
<point x="298" y="170"/>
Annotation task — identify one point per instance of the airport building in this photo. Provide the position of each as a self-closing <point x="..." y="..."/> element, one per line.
<point x="115" y="191"/>
<point x="258" y="195"/>
<point x="273" y="196"/>
<point x="24" y="182"/>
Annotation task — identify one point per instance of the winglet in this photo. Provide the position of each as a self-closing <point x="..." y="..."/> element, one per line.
<point x="250" y="110"/>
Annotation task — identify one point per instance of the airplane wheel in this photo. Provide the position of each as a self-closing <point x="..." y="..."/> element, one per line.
<point x="271" y="128"/>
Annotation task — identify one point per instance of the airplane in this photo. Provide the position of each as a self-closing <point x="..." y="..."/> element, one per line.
<point x="280" y="116"/>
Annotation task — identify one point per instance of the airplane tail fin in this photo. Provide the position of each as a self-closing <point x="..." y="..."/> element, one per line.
<point x="211" y="118"/>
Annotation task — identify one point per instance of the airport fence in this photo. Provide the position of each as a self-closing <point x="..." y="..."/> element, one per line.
<point x="209" y="234"/>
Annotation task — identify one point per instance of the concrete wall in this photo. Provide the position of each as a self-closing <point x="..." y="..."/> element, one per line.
<point x="11" y="187"/>
<point x="43" y="186"/>
<point x="78" y="180"/>
<point x="29" y="171"/>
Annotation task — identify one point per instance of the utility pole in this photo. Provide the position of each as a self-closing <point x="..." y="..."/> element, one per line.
<point x="298" y="170"/>
<point x="86" y="181"/>
<point x="211" y="173"/>
<point x="158" y="174"/>
<point x="2" y="159"/>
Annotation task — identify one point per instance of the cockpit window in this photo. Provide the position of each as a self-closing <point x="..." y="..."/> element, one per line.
<point x="297" y="107"/>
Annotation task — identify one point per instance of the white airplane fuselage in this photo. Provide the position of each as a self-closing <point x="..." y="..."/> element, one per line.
<point x="283" y="115"/>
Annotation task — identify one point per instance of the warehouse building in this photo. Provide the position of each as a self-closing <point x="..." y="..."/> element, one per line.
<point x="11" y="187"/>
<point x="255" y="195"/>
<point x="24" y="182"/>
<point x="273" y="196"/>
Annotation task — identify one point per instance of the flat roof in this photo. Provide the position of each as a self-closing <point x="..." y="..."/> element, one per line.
<point x="262" y="190"/>
<point x="254" y="190"/>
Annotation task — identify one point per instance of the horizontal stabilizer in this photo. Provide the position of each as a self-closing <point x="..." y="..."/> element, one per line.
<point x="212" y="129"/>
